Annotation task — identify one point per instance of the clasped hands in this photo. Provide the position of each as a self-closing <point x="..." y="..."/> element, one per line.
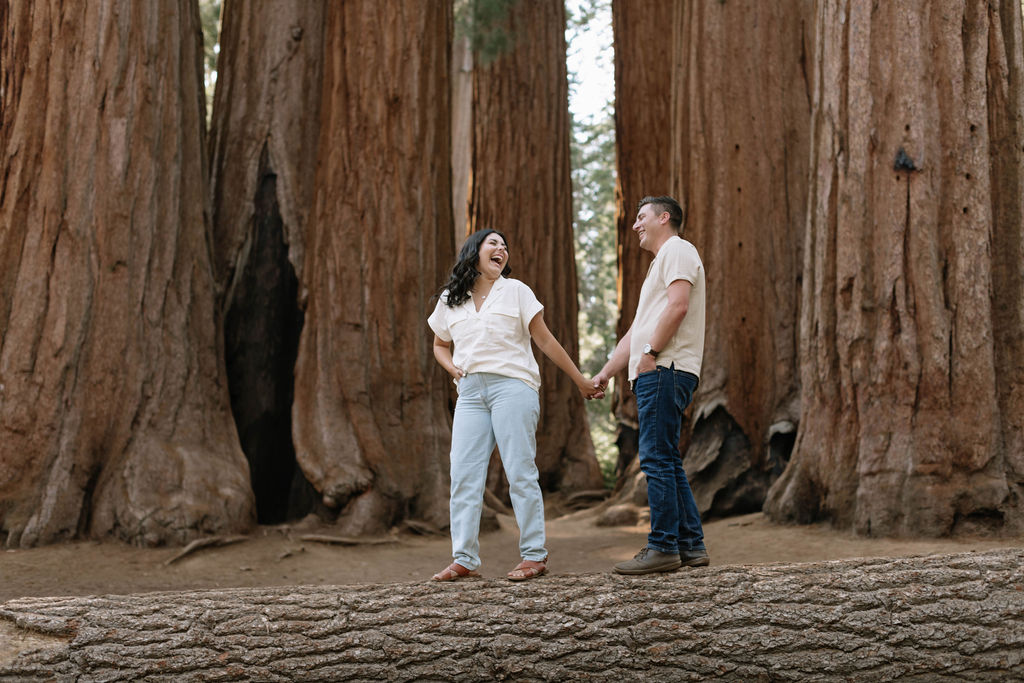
<point x="595" y="388"/>
<point x="591" y="390"/>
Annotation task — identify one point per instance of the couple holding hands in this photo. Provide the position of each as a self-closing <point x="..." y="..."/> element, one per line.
<point x="491" y="320"/>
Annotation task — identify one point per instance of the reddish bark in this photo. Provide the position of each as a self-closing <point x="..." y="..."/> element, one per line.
<point x="911" y="328"/>
<point x="265" y="124"/>
<point x="263" y="143"/>
<point x="521" y="186"/>
<point x="371" y="427"/>
<point x="643" y="124"/>
<point x="113" y="406"/>
<point x="739" y="152"/>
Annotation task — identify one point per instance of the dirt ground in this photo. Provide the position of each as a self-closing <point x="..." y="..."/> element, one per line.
<point x="277" y="555"/>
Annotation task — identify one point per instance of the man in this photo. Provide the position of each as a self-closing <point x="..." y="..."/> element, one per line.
<point x="663" y="350"/>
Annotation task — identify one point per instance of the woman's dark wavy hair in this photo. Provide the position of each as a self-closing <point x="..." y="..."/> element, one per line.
<point x="464" y="272"/>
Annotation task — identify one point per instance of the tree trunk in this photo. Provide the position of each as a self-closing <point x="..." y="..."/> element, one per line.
<point x="925" y="618"/>
<point x="740" y="147"/>
<point x="911" y="328"/>
<point x="462" y="135"/>
<point x="265" y="125"/>
<point x="521" y="186"/>
<point x="371" y="427"/>
<point x="266" y="116"/>
<point x="643" y="125"/>
<point x="114" y="415"/>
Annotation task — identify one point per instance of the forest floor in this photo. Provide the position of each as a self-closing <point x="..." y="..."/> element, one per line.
<point x="277" y="555"/>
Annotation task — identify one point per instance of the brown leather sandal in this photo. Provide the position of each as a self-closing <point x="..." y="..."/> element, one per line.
<point x="452" y="572"/>
<point x="528" y="569"/>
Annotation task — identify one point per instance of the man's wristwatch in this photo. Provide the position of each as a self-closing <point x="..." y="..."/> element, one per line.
<point x="648" y="350"/>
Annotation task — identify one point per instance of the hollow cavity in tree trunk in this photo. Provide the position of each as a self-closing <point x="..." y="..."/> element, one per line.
<point x="261" y="338"/>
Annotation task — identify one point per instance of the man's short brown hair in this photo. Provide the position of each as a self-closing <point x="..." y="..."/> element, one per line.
<point x="666" y="203"/>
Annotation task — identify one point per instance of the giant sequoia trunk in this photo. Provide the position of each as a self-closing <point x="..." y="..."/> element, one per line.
<point x="521" y="186"/>
<point x="912" y="366"/>
<point x="371" y="427"/>
<point x="114" y="414"/>
<point x="739" y="152"/>
<point x="266" y="115"/>
<point x="462" y="135"/>
<point x="643" y="125"/>
<point x="942" y="617"/>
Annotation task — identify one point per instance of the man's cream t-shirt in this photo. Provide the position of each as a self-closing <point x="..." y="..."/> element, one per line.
<point x="676" y="260"/>
<point x="496" y="338"/>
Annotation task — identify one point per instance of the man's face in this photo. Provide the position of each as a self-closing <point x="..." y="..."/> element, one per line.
<point x="649" y="225"/>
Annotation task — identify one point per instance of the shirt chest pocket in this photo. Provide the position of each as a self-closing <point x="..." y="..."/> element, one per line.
<point x="458" y="319"/>
<point x="504" y="320"/>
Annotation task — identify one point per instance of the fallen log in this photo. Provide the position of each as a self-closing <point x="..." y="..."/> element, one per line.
<point x="926" y="618"/>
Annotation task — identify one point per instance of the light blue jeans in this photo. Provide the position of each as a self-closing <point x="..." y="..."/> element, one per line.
<point x="495" y="409"/>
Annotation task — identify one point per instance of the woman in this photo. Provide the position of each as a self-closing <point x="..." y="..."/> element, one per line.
<point x="491" y="320"/>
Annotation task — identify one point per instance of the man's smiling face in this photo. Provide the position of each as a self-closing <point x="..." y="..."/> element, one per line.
<point x="648" y="225"/>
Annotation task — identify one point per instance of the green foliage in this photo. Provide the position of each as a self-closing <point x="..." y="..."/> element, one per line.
<point x="486" y="24"/>
<point x="593" y="152"/>
<point x="593" y="181"/>
<point x="209" y="18"/>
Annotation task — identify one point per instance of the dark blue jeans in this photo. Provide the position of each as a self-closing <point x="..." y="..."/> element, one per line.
<point x="661" y="397"/>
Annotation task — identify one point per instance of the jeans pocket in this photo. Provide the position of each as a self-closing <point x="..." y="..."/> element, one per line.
<point x="645" y="386"/>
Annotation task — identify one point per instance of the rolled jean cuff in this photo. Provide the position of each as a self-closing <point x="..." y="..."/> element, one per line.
<point x="660" y="549"/>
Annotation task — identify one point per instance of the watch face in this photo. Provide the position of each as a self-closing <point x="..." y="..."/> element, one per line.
<point x="647" y="348"/>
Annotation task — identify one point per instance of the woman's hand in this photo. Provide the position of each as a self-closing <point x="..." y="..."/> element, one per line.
<point x="443" y="354"/>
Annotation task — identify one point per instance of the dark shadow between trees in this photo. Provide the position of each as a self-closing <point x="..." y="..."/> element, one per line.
<point x="261" y="333"/>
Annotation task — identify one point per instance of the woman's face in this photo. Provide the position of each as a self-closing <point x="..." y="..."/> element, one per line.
<point x="492" y="257"/>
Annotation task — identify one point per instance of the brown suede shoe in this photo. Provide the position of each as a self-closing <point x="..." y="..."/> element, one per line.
<point x="649" y="561"/>
<point x="694" y="558"/>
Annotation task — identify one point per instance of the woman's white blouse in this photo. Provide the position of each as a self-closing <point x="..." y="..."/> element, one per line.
<point x="496" y="338"/>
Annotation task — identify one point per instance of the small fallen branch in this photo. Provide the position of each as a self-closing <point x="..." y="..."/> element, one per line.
<point x="492" y="501"/>
<point x="422" y="528"/>
<point x="208" y="542"/>
<point x="585" y="499"/>
<point x="344" y="540"/>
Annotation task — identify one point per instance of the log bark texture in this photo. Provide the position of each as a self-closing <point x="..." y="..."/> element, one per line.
<point x="941" y="617"/>
<point x="911" y="323"/>
<point x="371" y="427"/>
<point x="739" y="158"/>
<point x="114" y="415"/>
<point x="643" y="125"/>
<point x="263" y="137"/>
<point x="521" y="185"/>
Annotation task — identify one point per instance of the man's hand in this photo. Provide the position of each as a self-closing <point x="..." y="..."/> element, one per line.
<point x="601" y="382"/>
<point x="646" y="364"/>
